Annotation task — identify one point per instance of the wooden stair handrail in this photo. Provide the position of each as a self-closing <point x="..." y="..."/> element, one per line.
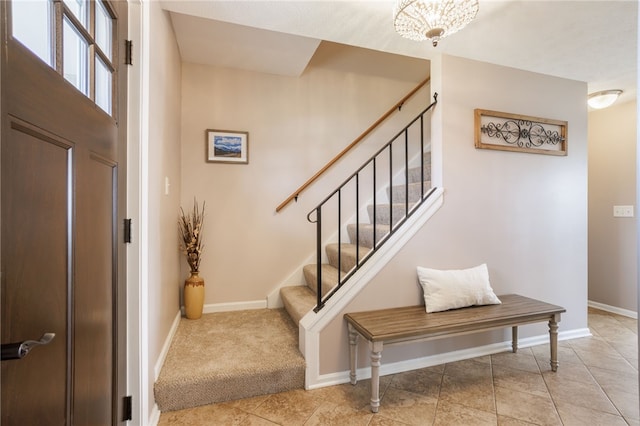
<point x="351" y="145"/>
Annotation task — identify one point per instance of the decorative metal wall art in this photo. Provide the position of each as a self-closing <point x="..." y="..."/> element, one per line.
<point x="514" y="132"/>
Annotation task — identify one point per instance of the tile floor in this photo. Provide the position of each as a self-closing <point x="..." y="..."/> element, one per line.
<point x="596" y="384"/>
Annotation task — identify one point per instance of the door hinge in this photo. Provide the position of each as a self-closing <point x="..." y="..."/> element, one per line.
<point x="128" y="52"/>
<point x="127" y="409"/>
<point x="127" y="230"/>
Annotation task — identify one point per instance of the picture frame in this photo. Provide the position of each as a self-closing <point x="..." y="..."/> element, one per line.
<point x="227" y="146"/>
<point x="521" y="133"/>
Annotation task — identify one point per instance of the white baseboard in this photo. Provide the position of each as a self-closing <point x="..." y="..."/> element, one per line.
<point x="613" y="309"/>
<point x="234" y="306"/>
<point x="338" y="378"/>
<point x="213" y="308"/>
<point x="154" y="417"/>
<point x="166" y="346"/>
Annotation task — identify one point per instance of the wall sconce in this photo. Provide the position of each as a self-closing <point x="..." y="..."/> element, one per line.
<point x="603" y="99"/>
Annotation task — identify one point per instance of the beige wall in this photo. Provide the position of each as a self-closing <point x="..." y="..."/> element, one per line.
<point x="525" y="215"/>
<point x="612" y="181"/>
<point x="163" y="152"/>
<point x="295" y="125"/>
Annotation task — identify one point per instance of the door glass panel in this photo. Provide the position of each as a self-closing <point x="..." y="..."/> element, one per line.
<point x="80" y="9"/>
<point x="75" y="58"/>
<point x="31" y="24"/>
<point x="103" y="86"/>
<point x="103" y="29"/>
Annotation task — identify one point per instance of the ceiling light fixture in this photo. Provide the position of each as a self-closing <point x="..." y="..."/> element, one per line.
<point x="421" y="20"/>
<point x="603" y="99"/>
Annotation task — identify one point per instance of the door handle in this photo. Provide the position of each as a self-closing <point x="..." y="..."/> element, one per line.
<point x="21" y="349"/>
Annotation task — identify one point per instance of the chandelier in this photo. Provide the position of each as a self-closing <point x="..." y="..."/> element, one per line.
<point x="420" y="20"/>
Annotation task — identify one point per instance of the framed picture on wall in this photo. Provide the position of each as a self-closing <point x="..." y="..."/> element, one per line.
<point x="227" y="146"/>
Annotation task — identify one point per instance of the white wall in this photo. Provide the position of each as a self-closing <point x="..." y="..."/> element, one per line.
<point x="296" y="125"/>
<point x="612" y="181"/>
<point x="525" y="215"/>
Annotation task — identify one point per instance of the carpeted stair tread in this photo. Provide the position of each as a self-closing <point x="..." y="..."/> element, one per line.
<point x="398" y="212"/>
<point x="397" y="192"/>
<point x="329" y="277"/>
<point x="347" y="255"/>
<point x="228" y="356"/>
<point x="365" y="233"/>
<point x="298" y="301"/>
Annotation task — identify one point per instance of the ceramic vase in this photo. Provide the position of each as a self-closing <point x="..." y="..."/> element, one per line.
<point x="193" y="296"/>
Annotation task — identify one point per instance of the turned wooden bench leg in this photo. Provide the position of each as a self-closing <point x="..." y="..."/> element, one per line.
<point x="553" y="341"/>
<point x="353" y="354"/>
<point x="514" y="339"/>
<point x="376" y="355"/>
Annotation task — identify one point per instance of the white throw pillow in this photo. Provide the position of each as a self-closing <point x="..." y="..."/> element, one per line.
<point x="451" y="289"/>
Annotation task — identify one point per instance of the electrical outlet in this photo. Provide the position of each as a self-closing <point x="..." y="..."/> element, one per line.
<point x="622" y="211"/>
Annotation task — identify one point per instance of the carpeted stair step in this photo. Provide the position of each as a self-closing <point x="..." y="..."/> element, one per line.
<point x="365" y="233"/>
<point x="298" y="301"/>
<point x="347" y="255"/>
<point x="398" y="211"/>
<point x="329" y="277"/>
<point x="415" y="174"/>
<point x="397" y="192"/>
<point x="228" y="356"/>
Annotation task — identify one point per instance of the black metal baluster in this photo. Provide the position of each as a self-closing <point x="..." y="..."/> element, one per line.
<point x="375" y="206"/>
<point x="339" y="237"/>
<point x="357" y="220"/>
<point x="390" y="180"/>
<point x="422" y="157"/>
<point x="406" y="172"/>
<point x="319" y="304"/>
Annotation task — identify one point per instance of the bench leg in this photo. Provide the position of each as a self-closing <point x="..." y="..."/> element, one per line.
<point x="514" y="339"/>
<point x="353" y="354"/>
<point x="553" y="341"/>
<point x="376" y="354"/>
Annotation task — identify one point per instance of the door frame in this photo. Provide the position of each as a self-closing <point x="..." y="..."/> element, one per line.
<point x="138" y="384"/>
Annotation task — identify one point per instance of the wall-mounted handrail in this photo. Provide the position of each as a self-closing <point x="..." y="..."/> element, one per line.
<point x="296" y="193"/>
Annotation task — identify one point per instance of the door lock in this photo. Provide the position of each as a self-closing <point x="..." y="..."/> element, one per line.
<point x="21" y="349"/>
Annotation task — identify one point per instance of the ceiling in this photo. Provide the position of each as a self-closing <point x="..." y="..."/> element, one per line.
<point x="590" y="41"/>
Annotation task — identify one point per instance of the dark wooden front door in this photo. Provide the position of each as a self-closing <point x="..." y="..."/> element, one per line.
<point x="62" y="206"/>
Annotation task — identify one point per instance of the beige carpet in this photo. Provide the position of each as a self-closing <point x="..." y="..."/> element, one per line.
<point x="230" y="355"/>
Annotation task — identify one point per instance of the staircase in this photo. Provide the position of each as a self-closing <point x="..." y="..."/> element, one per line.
<point x="233" y="355"/>
<point x="299" y="300"/>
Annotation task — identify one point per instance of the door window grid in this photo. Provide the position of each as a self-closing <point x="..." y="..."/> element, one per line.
<point x="82" y="52"/>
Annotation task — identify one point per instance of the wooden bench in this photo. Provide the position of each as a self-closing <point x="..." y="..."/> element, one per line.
<point x="406" y="324"/>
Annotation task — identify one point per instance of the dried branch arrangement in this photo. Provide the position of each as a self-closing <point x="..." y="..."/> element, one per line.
<point x="190" y="227"/>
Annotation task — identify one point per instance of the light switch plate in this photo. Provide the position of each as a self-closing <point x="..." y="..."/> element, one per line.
<point x="622" y="211"/>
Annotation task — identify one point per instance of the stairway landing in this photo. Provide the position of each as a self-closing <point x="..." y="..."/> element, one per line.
<point x="230" y="355"/>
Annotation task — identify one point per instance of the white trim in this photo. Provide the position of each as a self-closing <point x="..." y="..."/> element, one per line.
<point x="166" y="346"/>
<point x="145" y="396"/>
<point x="154" y="416"/>
<point x="232" y="306"/>
<point x="313" y="323"/>
<point x="612" y="309"/>
<point x="364" y="373"/>
<point x="137" y="335"/>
